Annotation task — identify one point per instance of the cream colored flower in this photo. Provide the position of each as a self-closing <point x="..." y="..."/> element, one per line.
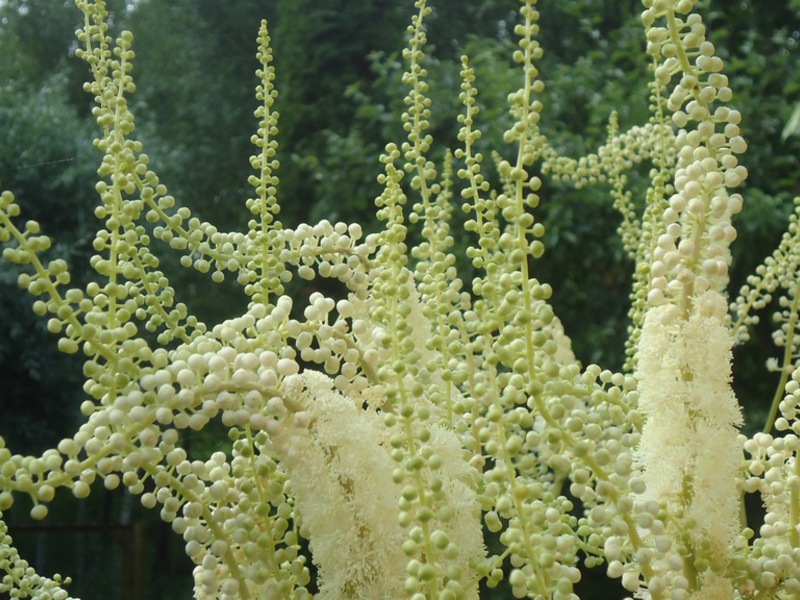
<point x="689" y="449"/>
<point x="340" y="467"/>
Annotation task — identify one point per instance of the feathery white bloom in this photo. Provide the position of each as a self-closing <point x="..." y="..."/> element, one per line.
<point x="340" y="467"/>
<point x="689" y="449"/>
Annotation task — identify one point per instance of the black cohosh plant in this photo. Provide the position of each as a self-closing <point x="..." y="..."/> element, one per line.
<point x="389" y="428"/>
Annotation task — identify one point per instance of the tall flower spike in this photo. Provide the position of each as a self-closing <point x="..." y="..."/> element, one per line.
<point x="778" y="271"/>
<point x="415" y="119"/>
<point x="438" y="553"/>
<point x="684" y="357"/>
<point x="692" y="255"/>
<point x="262" y="276"/>
<point x="443" y="301"/>
<point x="134" y="289"/>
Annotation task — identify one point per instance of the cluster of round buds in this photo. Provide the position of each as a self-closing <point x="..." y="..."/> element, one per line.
<point x="330" y="250"/>
<point x="692" y="254"/>
<point x="225" y="373"/>
<point x="770" y="564"/>
<point x="523" y="107"/>
<point x="620" y="152"/>
<point x="427" y="460"/>
<point x="441" y="304"/>
<point x="520" y="194"/>
<point x="20" y="579"/>
<point x="655" y="561"/>
<point x="778" y="271"/>
<point x="210" y="503"/>
<point x="790" y="405"/>
<point x="486" y="225"/>
<point x="773" y="558"/>
<point x="234" y="518"/>
<point x="46" y="279"/>
<point x="265" y="205"/>
<point x="415" y="119"/>
<point x="29" y="244"/>
<point x="767" y="466"/>
<point x="348" y="346"/>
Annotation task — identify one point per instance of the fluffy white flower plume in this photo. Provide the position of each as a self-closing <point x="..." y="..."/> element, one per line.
<point x="689" y="449"/>
<point x="338" y="458"/>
